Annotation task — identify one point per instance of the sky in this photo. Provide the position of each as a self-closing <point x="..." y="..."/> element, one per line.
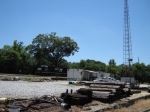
<point x="96" y="25"/>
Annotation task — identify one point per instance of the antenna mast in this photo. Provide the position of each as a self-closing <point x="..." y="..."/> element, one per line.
<point x="127" y="44"/>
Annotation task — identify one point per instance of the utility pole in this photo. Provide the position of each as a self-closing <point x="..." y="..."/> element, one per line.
<point x="138" y="60"/>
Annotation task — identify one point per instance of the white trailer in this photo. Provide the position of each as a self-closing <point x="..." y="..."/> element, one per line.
<point x="74" y="74"/>
<point x="131" y="81"/>
<point x="81" y="74"/>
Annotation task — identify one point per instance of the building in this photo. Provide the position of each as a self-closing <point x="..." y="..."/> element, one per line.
<point x="88" y="75"/>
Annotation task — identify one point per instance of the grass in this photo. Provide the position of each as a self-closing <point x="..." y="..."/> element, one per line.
<point x="30" y="77"/>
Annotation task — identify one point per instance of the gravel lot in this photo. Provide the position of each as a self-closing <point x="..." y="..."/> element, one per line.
<point x="23" y="89"/>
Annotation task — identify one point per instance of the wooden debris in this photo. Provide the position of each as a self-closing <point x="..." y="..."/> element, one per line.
<point x="76" y="99"/>
<point x="104" y="86"/>
<point x="87" y="92"/>
<point x="135" y="91"/>
<point x="37" y="103"/>
<point x="121" y="84"/>
<point x="103" y="89"/>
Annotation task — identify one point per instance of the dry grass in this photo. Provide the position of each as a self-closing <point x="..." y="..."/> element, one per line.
<point x="137" y="107"/>
<point x="34" y="78"/>
<point x="75" y="109"/>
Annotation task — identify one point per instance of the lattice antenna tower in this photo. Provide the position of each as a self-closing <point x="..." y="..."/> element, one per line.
<point x="127" y="44"/>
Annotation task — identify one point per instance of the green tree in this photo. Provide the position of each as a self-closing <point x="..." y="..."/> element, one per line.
<point x="18" y="46"/>
<point x="112" y="68"/>
<point x="82" y="64"/>
<point x="148" y="73"/>
<point x="24" y="64"/>
<point x="9" y="61"/>
<point x="7" y="47"/>
<point x="74" y="65"/>
<point x="92" y="65"/>
<point x="52" y="48"/>
<point x="14" y="58"/>
<point x="112" y="62"/>
<point x="64" y="64"/>
<point x="120" y="71"/>
<point x="139" y="71"/>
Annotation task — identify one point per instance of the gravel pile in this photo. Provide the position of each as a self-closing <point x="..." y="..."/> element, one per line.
<point x="23" y="89"/>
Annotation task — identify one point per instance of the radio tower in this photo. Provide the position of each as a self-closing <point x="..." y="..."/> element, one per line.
<point x="127" y="45"/>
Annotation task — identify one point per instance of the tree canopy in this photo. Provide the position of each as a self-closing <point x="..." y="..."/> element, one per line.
<point x="52" y="48"/>
<point x="44" y="50"/>
<point x="14" y="58"/>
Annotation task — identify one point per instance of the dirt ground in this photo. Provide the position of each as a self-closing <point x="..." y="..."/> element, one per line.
<point x="139" y="106"/>
<point x="94" y="106"/>
<point x="30" y="78"/>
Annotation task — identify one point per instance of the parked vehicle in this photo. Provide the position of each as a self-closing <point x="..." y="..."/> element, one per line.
<point x="106" y="79"/>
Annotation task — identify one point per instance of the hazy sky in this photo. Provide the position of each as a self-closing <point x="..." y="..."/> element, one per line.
<point x="96" y="25"/>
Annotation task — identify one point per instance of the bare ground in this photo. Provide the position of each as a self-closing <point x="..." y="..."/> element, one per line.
<point x="96" y="106"/>
<point x="139" y="106"/>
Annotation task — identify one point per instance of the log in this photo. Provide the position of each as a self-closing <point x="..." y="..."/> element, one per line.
<point x="101" y="93"/>
<point x="104" y="86"/>
<point x="104" y="97"/>
<point x="118" y="91"/>
<point x="148" y="90"/>
<point x="84" y="91"/>
<point x="59" y="99"/>
<point x="135" y="91"/>
<point x="76" y="99"/>
<point x="103" y="89"/>
<point x="126" y="92"/>
<point x="121" y="84"/>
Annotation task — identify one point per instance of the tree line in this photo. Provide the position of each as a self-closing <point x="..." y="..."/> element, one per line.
<point x="51" y="49"/>
<point x="47" y="49"/>
<point x="140" y="71"/>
